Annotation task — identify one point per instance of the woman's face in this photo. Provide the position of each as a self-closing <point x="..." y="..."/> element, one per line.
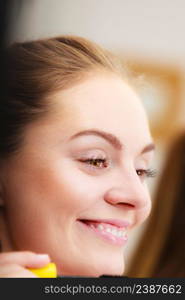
<point x="79" y="182"/>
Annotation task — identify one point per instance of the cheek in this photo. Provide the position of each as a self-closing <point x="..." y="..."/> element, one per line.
<point x="52" y="187"/>
<point x="73" y="189"/>
<point x="42" y="200"/>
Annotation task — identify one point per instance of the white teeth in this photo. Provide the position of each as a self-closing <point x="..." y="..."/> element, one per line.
<point x="100" y="227"/>
<point x="115" y="232"/>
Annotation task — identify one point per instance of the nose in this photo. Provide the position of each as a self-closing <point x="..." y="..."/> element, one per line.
<point x="130" y="193"/>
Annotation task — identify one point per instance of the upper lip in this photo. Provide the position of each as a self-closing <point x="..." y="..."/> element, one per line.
<point x="116" y="222"/>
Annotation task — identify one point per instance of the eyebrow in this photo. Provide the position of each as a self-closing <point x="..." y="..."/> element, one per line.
<point x="112" y="139"/>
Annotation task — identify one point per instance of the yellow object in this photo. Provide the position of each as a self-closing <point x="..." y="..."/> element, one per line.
<point x="49" y="271"/>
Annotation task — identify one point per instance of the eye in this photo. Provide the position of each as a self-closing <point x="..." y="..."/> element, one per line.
<point x="98" y="163"/>
<point x="146" y="173"/>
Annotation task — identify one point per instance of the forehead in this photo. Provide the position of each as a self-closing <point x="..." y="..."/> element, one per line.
<point x="96" y="95"/>
<point x="104" y="102"/>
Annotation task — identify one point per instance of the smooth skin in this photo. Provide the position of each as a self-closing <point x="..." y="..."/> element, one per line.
<point x="52" y="182"/>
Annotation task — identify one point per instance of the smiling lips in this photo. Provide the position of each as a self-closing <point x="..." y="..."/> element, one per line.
<point x="113" y="231"/>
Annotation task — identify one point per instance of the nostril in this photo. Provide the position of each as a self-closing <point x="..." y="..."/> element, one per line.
<point x="122" y="204"/>
<point x="126" y="205"/>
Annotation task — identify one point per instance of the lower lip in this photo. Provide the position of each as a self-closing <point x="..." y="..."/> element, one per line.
<point x="106" y="236"/>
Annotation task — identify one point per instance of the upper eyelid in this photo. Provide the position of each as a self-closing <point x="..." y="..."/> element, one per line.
<point x="91" y="152"/>
<point x="101" y="153"/>
<point x="109" y="158"/>
<point x="94" y="156"/>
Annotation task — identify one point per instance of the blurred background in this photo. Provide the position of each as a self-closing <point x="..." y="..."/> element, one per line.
<point x="147" y="35"/>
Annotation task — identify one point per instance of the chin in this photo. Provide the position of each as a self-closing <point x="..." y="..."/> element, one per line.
<point x="110" y="269"/>
<point x="93" y="265"/>
<point x="96" y="270"/>
<point x="113" y="271"/>
<point x="113" y="267"/>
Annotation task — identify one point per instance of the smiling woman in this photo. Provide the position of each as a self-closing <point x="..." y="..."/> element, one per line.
<point x="75" y="153"/>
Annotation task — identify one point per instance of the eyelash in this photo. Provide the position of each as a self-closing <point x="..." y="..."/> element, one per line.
<point x="147" y="172"/>
<point x="100" y="160"/>
<point x="143" y="172"/>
